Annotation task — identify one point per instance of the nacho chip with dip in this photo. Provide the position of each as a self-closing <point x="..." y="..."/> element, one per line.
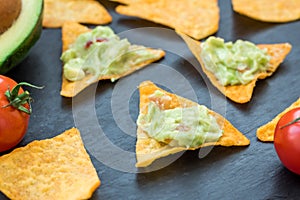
<point x="265" y="133"/>
<point x="56" y="168"/>
<point x="168" y="124"/>
<point x="234" y="68"/>
<point x="269" y="10"/>
<point x="99" y="54"/>
<point x="196" y="18"/>
<point x="56" y="12"/>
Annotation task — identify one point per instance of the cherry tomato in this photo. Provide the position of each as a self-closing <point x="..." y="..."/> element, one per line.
<point x="13" y="121"/>
<point x="287" y="140"/>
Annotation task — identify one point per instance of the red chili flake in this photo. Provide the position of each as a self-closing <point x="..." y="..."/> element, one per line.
<point x="88" y="44"/>
<point x="101" y="40"/>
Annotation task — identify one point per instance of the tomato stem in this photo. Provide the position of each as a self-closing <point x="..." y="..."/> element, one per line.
<point x="290" y="123"/>
<point x="19" y="100"/>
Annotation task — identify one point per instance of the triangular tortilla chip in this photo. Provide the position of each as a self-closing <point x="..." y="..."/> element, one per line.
<point x="265" y="133"/>
<point x="268" y="10"/>
<point x="56" y="168"/>
<point x="56" y="12"/>
<point x="195" y="18"/>
<point x="242" y="93"/>
<point x="148" y="149"/>
<point x="70" y="31"/>
<point x="134" y="1"/>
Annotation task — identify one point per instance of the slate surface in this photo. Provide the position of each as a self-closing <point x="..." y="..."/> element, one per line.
<point x="252" y="172"/>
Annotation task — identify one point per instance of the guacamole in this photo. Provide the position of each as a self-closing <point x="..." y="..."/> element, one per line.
<point x="101" y="52"/>
<point x="187" y="127"/>
<point x="233" y="63"/>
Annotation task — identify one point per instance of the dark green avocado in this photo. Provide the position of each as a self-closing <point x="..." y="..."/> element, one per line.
<point x="18" y="39"/>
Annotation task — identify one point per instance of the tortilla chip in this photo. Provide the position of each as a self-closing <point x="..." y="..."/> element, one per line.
<point x="56" y="168"/>
<point x="242" y="93"/>
<point x="196" y="18"/>
<point x="269" y="10"/>
<point x="265" y="133"/>
<point x="70" y="31"/>
<point x="56" y="12"/>
<point x="134" y="1"/>
<point x="148" y="149"/>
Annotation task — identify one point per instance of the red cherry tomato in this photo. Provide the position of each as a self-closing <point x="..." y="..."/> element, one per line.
<point x="13" y="122"/>
<point x="287" y="140"/>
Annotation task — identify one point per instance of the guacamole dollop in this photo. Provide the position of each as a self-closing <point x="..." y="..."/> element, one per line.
<point x="101" y="52"/>
<point x="233" y="63"/>
<point x="187" y="127"/>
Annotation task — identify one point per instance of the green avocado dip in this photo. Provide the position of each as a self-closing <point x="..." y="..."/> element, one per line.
<point x="233" y="63"/>
<point x="101" y="52"/>
<point x="187" y="127"/>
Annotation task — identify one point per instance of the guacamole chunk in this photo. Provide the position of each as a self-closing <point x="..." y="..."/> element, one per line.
<point x="233" y="63"/>
<point x="187" y="127"/>
<point x="101" y="52"/>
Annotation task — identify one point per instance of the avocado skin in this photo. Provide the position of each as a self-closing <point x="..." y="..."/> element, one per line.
<point x="22" y="51"/>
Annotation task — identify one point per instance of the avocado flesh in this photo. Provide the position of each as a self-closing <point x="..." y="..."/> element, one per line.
<point x="16" y="42"/>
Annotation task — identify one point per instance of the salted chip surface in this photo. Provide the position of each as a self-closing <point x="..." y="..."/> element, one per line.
<point x="56" y="12"/>
<point x="266" y="132"/>
<point x="242" y="93"/>
<point x="56" y="168"/>
<point x="268" y="10"/>
<point x="196" y="18"/>
<point x="70" y="31"/>
<point x="149" y="149"/>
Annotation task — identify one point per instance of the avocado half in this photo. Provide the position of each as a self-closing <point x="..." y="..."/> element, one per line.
<point x="16" y="42"/>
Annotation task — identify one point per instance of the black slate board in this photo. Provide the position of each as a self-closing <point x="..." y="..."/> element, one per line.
<point x="252" y="172"/>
